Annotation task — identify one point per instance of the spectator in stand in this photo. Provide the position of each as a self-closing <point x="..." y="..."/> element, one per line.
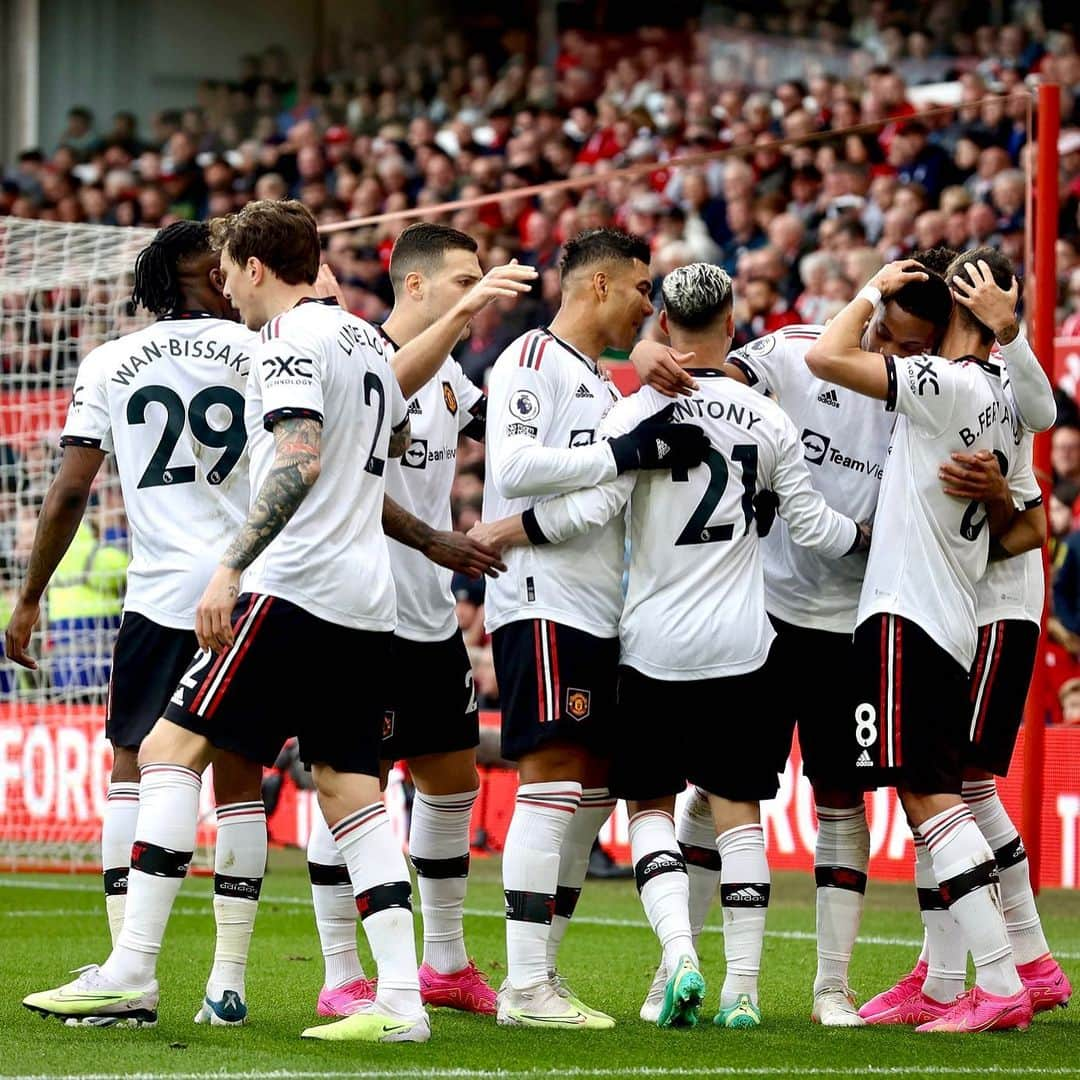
<point x="1065" y="453"/>
<point x="760" y="310"/>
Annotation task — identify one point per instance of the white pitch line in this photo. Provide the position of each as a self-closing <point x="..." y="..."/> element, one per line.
<point x="584" y="1074"/>
<point x="484" y="913"/>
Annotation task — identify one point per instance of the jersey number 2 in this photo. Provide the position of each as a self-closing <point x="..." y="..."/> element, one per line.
<point x="231" y="439"/>
<point x="698" y="530"/>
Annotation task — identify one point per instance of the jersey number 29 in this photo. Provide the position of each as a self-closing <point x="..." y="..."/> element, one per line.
<point x="231" y="439"/>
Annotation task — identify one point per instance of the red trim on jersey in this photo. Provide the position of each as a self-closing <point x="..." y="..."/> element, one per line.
<point x="526" y="346"/>
<point x="539" y="673"/>
<point x="540" y="352"/>
<point x="883" y="689"/>
<point x="222" y="656"/>
<point x="213" y="704"/>
<point x="554" y="651"/>
<point x="980" y="660"/>
<point x="898" y="689"/>
<point x="988" y="693"/>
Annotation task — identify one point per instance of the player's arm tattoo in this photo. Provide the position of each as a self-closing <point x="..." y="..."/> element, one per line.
<point x="404" y="527"/>
<point x="295" y="468"/>
<point x="400" y="438"/>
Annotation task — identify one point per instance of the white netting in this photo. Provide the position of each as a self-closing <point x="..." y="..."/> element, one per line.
<point x="63" y="290"/>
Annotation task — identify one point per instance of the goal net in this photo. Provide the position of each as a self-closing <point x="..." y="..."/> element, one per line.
<point x="64" y="290"/>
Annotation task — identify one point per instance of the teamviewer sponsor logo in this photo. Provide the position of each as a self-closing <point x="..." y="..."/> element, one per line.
<point x="416" y="455"/>
<point x="815" y="446"/>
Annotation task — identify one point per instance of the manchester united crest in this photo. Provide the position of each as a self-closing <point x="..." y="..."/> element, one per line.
<point x="577" y="703"/>
<point x="450" y="398"/>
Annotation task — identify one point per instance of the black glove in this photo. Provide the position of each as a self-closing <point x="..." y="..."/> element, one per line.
<point x="765" y="506"/>
<point x="657" y="443"/>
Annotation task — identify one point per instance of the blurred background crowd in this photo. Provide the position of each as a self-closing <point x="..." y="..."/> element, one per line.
<point x="855" y="134"/>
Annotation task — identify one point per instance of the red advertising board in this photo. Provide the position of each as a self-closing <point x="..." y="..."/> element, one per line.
<point x="54" y="768"/>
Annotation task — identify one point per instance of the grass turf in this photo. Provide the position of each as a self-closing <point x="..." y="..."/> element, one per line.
<point x="50" y="924"/>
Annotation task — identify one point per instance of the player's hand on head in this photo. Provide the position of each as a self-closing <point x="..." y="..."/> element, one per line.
<point x="464" y="554"/>
<point x="892" y="277"/>
<point x="213" y="616"/>
<point x="506" y="282"/>
<point x="17" y="636"/>
<point x="659" y="443"/>
<point x="976" y="289"/>
<point x="660" y="367"/>
<point x="328" y="287"/>
<point x="974" y="476"/>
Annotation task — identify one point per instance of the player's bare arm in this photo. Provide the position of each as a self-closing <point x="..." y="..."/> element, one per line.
<point x="416" y="362"/>
<point x="400" y="439"/>
<point x="838" y="356"/>
<point x="995" y="308"/>
<point x="663" y="368"/>
<point x="295" y="469"/>
<point x="978" y="477"/>
<point x="454" y="550"/>
<point x="59" y="521"/>
<point x="1026" y="532"/>
<point x="499" y="535"/>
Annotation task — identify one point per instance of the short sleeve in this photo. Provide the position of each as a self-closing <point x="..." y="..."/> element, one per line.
<point x="399" y="407"/>
<point x="1023" y="486"/>
<point x="765" y="360"/>
<point x="924" y="389"/>
<point x="290" y="375"/>
<point x="88" y="423"/>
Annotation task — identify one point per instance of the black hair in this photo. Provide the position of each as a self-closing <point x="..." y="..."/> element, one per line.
<point x="157" y="268"/>
<point x="1002" y="271"/>
<point x="423" y="246"/>
<point x="596" y="245"/>
<point x="938" y="259"/>
<point x="929" y="300"/>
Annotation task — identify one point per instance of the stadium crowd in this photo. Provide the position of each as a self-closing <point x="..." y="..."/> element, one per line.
<point x="801" y="210"/>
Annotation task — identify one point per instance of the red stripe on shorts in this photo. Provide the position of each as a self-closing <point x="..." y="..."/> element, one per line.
<point x="225" y="683"/>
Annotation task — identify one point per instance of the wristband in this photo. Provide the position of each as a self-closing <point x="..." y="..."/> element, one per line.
<point x="871" y="293"/>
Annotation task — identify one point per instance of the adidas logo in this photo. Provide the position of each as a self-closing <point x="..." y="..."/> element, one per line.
<point x="829" y="397"/>
<point x="746" y="895"/>
<point x="662" y="449"/>
<point x="415" y="408"/>
<point x="864" y="760"/>
<point x="583" y="391"/>
<point x="662" y="861"/>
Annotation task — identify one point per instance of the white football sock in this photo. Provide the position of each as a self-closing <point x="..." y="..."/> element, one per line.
<point x="439" y="849"/>
<point x="335" y="906"/>
<point x="944" y="947"/>
<point x="660" y="871"/>
<point x="967" y="876"/>
<point x="160" y="857"/>
<point x="696" y="836"/>
<point x="744" y="896"/>
<point x="593" y="810"/>
<point x="117" y="836"/>
<point x="1017" y="900"/>
<point x="841" y="859"/>
<point x="380" y="877"/>
<point x="239" y="866"/>
<point x="542" y="815"/>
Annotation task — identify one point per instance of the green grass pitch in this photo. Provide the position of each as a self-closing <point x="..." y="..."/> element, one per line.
<point x="50" y="924"/>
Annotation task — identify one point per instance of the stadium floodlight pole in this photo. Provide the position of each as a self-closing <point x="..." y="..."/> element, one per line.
<point x="1041" y="316"/>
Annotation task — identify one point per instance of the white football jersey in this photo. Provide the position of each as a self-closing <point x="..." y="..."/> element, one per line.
<point x="930" y="549"/>
<point x="845" y="438"/>
<point x="168" y="402"/>
<point x="420" y="482"/>
<point x="1014" y="588"/>
<point x="695" y="605"/>
<point x="545" y="403"/>
<point x="331" y="558"/>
